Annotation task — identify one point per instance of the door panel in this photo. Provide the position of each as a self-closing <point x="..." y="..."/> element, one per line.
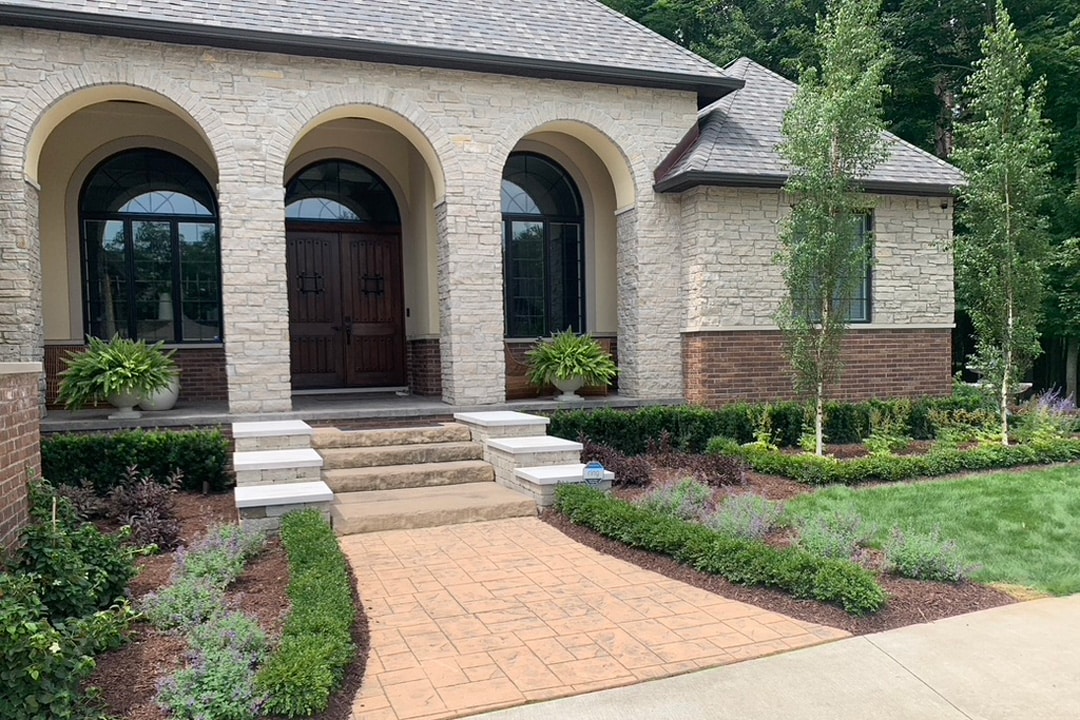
<point x="316" y="337"/>
<point x="374" y="309"/>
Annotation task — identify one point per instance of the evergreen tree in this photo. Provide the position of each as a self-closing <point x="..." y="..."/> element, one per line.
<point x="832" y="137"/>
<point x="1004" y="147"/>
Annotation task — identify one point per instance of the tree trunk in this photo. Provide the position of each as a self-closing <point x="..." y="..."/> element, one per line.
<point x="819" y="421"/>
<point x="1072" y="355"/>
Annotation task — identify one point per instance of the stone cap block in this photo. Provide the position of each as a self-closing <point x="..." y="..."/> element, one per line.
<point x="250" y="496"/>
<point x="276" y="459"/>
<point x="500" y="418"/>
<point x="20" y="368"/>
<point x="271" y="428"/>
<point x="536" y="443"/>
<point x="556" y="474"/>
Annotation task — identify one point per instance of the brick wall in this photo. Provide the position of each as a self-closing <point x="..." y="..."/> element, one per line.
<point x="20" y="454"/>
<point x="202" y="372"/>
<point x="424" y="366"/>
<point x="726" y="367"/>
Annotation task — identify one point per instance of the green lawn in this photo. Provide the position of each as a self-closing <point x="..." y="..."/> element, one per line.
<point x="1021" y="528"/>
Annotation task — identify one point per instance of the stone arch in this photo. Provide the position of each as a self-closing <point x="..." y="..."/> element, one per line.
<point x="60" y="95"/>
<point x="624" y="162"/>
<point x="380" y="105"/>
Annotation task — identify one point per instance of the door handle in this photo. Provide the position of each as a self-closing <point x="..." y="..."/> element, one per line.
<point x="348" y="331"/>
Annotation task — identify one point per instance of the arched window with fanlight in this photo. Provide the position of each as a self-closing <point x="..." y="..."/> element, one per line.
<point x="543" y="248"/>
<point x="340" y="192"/>
<point x="150" y="250"/>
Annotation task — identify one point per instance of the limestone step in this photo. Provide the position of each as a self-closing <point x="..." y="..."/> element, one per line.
<point x="271" y="435"/>
<point x="326" y="438"/>
<point x="393" y="477"/>
<point x="407" y="508"/>
<point x="335" y="458"/>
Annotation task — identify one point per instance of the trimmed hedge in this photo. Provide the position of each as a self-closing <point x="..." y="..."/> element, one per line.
<point x="202" y="456"/>
<point x="743" y="562"/>
<point x="316" y="646"/>
<point x="691" y="428"/>
<point x="814" y="470"/>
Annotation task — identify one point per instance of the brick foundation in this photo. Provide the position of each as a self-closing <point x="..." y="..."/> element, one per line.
<point x="518" y="386"/>
<point x="727" y="367"/>
<point x="424" y="367"/>
<point x="202" y="372"/>
<point x="20" y="449"/>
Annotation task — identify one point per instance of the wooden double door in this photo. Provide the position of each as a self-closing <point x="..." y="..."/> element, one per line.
<point x="346" y="308"/>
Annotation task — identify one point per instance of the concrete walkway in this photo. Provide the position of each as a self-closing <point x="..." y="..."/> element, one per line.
<point x="466" y="618"/>
<point x="1015" y="662"/>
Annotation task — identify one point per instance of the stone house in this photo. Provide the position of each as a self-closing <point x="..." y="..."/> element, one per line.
<point x="316" y="196"/>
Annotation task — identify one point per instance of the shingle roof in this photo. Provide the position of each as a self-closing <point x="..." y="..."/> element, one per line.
<point x="562" y="33"/>
<point x="738" y="136"/>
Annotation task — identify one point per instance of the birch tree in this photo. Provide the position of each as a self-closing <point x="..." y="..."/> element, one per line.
<point x="1004" y="147"/>
<point x="832" y="137"/>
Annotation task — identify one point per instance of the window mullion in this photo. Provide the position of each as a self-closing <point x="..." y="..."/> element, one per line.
<point x="132" y="289"/>
<point x="177" y="304"/>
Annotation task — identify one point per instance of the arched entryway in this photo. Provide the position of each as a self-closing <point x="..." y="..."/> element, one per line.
<point x="344" y="263"/>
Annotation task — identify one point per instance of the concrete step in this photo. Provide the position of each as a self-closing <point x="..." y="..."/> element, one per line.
<point x="393" y="477"/>
<point x="444" y="433"/>
<point x="335" y="458"/>
<point x="376" y="510"/>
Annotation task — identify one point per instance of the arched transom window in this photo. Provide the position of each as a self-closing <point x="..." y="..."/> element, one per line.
<point x="339" y="191"/>
<point x="543" y="248"/>
<point x="151" y="258"/>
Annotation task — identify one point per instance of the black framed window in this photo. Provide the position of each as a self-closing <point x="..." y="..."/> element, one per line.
<point x="856" y="301"/>
<point x="339" y="191"/>
<point x="543" y="248"/>
<point x="150" y="250"/>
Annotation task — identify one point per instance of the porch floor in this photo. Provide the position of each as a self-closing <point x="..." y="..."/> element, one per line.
<point x="322" y="409"/>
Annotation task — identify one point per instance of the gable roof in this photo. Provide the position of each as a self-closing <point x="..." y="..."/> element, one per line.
<point x="567" y="39"/>
<point x="737" y="138"/>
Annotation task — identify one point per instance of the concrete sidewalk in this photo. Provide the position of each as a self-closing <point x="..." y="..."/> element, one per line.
<point x="1015" y="662"/>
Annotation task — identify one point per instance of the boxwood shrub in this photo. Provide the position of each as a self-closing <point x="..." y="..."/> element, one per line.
<point x="201" y="456"/>
<point x="316" y="646"/>
<point x="813" y="470"/>
<point x="743" y="562"/>
<point x="691" y="427"/>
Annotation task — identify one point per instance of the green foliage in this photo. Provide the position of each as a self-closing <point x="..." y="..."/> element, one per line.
<point x="116" y="367"/>
<point x="925" y="556"/>
<point x="1045" y="418"/>
<point x="814" y="470"/>
<point x="739" y="561"/>
<point x="184" y="604"/>
<point x="746" y="517"/>
<point x="958" y="426"/>
<point x="566" y="355"/>
<point x="685" y="500"/>
<point x="887" y="425"/>
<point x="200" y="456"/>
<point x="316" y="647"/>
<point x="837" y="534"/>
<point x="1005" y="150"/>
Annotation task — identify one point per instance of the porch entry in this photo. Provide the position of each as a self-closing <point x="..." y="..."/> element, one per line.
<point x="346" y="295"/>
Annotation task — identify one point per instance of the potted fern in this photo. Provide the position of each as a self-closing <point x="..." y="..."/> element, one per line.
<point x="121" y="372"/>
<point x="569" y="361"/>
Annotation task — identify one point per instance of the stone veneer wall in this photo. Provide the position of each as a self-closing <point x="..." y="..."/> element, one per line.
<point x="726" y="367"/>
<point x="424" y="367"/>
<point x="202" y="372"/>
<point x="20" y="449"/>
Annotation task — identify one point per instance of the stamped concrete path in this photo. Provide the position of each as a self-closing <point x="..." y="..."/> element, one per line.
<point x="467" y="618"/>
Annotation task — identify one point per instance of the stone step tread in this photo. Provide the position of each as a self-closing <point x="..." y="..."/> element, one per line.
<point x="276" y="459"/>
<point x="282" y="494"/>
<point x="377" y="510"/>
<point x="385" y="455"/>
<point x="533" y="444"/>
<point x="270" y="428"/>
<point x="386" y="477"/>
<point x="554" y="474"/>
<point x="329" y="438"/>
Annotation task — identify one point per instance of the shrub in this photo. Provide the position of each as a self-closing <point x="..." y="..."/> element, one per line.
<point x="631" y="471"/>
<point x="148" y="506"/>
<point x="746" y="563"/>
<point x="746" y="517"/>
<point x="925" y="557"/>
<point x="836" y="534"/>
<point x="43" y="663"/>
<point x="316" y="646"/>
<point x="1045" y="418"/>
<point x="184" y="604"/>
<point x="687" y="500"/>
<point x="201" y="456"/>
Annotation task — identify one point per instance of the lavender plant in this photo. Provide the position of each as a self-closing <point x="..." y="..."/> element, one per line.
<point x="746" y="517"/>
<point x="687" y="499"/>
<point x="925" y="556"/>
<point x="1045" y="418"/>
<point x="837" y="535"/>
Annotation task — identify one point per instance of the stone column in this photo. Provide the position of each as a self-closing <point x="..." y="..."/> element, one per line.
<point x="470" y="302"/>
<point x="21" y="321"/>
<point x="650" y="300"/>
<point x="254" y="295"/>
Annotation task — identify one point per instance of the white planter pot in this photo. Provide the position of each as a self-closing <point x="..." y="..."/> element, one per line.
<point x="568" y="388"/>
<point x="125" y="405"/>
<point x="163" y="399"/>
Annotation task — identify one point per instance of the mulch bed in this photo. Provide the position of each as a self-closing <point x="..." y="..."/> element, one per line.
<point x="127" y="678"/>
